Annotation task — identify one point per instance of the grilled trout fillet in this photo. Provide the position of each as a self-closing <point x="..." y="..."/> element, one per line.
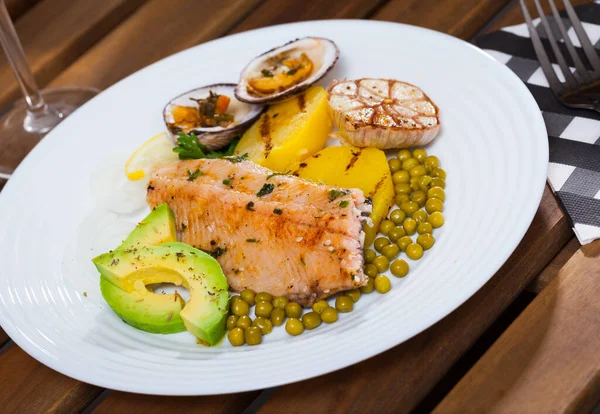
<point x="270" y="233"/>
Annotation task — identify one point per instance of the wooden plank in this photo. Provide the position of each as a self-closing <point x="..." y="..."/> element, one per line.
<point x="458" y="18"/>
<point x="406" y="373"/>
<point x="30" y="387"/>
<point x="274" y="12"/>
<point x="550" y="272"/>
<point x="548" y="359"/>
<point x="17" y="7"/>
<point x="157" y="30"/>
<point x="55" y="32"/>
<point x="3" y="337"/>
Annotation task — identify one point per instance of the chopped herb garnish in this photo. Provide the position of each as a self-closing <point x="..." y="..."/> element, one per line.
<point x="275" y="115"/>
<point x="179" y="255"/>
<point x="333" y="193"/>
<point x="218" y="252"/>
<point x="250" y="206"/>
<point x="344" y="203"/>
<point x="193" y="175"/>
<point x="278" y="173"/>
<point x="266" y="189"/>
<point x="291" y="72"/>
<point x="267" y="73"/>
<point x="227" y="181"/>
<point x="183" y="226"/>
<point x="251" y="241"/>
<point x="302" y="261"/>
<point x="189" y="148"/>
<point x="238" y="158"/>
<point x="278" y="211"/>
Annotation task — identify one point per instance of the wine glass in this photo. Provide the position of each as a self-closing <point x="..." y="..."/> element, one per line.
<point x="25" y="122"/>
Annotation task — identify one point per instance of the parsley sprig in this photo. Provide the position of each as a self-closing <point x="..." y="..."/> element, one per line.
<point x="189" y="148"/>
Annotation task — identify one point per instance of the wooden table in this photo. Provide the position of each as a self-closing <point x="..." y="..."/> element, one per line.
<point x="540" y="355"/>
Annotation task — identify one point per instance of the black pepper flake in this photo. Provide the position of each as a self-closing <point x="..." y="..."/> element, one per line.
<point x="218" y="252"/>
<point x="250" y="206"/>
<point x="114" y="262"/>
<point x="150" y="188"/>
<point x="278" y="211"/>
<point x="212" y="242"/>
<point x="183" y="227"/>
<point x="275" y="115"/>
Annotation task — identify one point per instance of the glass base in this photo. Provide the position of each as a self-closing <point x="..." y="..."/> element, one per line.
<point x="21" y="130"/>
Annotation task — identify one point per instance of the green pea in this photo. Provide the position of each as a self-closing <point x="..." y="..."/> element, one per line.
<point x="424" y="228"/>
<point x="409" y="163"/>
<point x="390" y="251"/>
<point x="385" y="227"/>
<point x="369" y="255"/>
<point x="320" y="306"/>
<point x="294" y="326"/>
<point x="436" y="192"/>
<point x="382" y="284"/>
<point x="293" y="310"/>
<point x="439" y="173"/>
<point x="424" y="182"/>
<point x="399" y="268"/>
<point x="420" y="155"/>
<point x="396" y="233"/>
<point x="248" y="296"/>
<point x="426" y="241"/>
<point x="236" y="337"/>
<point x="311" y="320"/>
<point x="344" y="304"/>
<point x="403" y="154"/>
<point x="401" y="198"/>
<point x="329" y="315"/>
<point x="432" y="162"/>
<point x="253" y="336"/>
<point x="409" y="207"/>
<point x="353" y="294"/>
<point x="368" y="288"/>
<point x="397" y="216"/>
<point x="263" y="297"/>
<point x="240" y="308"/>
<point x="380" y="242"/>
<point x="419" y="197"/>
<point x="415" y="183"/>
<point x="433" y="205"/>
<point x="414" y="251"/>
<point x="371" y="270"/>
<point x="277" y="317"/>
<point x="394" y="164"/>
<point x="263" y="309"/>
<point x="265" y="325"/>
<point x="231" y="321"/>
<point x="410" y="226"/>
<point x="381" y="263"/>
<point x="417" y="171"/>
<point x="403" y="188"/>
<point x="419" y="216"/>
<point x="438" y="182"/>
<point x="244" y="322"/>
<point x="403" y="242"/>
<point x="436" y="219"/>
<point x="400" y="177"/>
<point x="280" y="302"/>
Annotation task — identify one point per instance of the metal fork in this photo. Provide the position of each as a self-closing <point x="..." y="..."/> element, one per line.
<point x="582" y="88"/>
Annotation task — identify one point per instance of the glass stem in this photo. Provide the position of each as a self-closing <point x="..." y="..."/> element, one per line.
<point x="14" y="53"/>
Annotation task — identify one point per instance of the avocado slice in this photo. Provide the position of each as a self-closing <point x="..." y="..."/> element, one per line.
<point x="144" y="309"/>
<point x="205" y="313"/>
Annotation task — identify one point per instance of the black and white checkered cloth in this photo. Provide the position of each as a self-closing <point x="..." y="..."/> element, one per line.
<point x="574" y="135"/>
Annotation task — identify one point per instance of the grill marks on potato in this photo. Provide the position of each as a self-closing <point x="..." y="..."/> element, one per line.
<point x="302" y="102"/>
<point x="355" y="157"/>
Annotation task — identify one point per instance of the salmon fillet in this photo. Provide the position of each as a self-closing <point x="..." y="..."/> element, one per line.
<point x="270" y="233"/>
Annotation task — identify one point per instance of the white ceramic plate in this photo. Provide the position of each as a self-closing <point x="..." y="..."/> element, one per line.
<point x="54" y="218"/>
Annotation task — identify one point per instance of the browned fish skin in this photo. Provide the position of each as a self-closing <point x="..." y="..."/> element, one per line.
<point x="301" y="240"/>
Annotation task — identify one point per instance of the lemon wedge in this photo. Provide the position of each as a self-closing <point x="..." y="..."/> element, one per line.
<point x="157" y="151"/>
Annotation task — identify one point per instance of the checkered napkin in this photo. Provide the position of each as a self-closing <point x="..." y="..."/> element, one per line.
<point x="574" y="135"/>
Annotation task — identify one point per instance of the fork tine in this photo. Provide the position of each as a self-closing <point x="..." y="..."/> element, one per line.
<point x="586" y="44"/>
<point x="553" y="81"/>
<point x="569" y="78"/>
<point x="581" y="69"/>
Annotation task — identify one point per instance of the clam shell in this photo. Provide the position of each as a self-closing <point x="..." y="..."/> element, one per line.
<point x="214" y="137"/>
<point x="322" y="52"/>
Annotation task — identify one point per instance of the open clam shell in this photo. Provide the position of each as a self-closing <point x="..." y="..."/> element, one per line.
<point x="216" y="137"/>
<point x="286" y="70"/>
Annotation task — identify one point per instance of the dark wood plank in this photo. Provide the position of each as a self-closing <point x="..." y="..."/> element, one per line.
<point x="3" y="337"/>
<point x="16" y="8"/>
<point x="159" y="29"/>
<point x="548" y="360"/>
<point x="550" y="272"/>
<point x="30" y="387"/>
<point x="461" y="18"/>
<point x="55" y="32"/>
<point x="406" y="373"/>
